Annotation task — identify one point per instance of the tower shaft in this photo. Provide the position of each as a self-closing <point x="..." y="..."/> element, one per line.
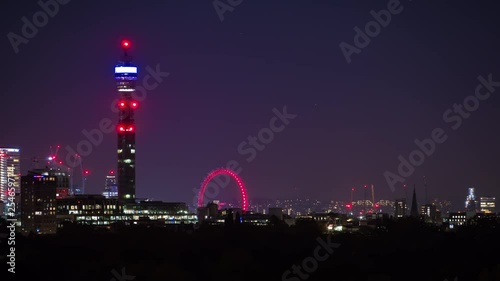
<point x="126" y="77"/>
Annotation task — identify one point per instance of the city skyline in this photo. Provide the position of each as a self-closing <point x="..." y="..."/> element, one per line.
<point x="250" y="140"/>
<point x="350" y="133"/>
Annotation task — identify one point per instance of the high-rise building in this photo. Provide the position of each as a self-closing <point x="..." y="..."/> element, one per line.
<point x="111" y="186"/>
<point x="126" y="77"/>
<point x="38" y="192"/>
<point x="470" y="201"/>
<point x="10" y="179"/>
<point x="487" y="204"/>
<point x="400" y="208"/>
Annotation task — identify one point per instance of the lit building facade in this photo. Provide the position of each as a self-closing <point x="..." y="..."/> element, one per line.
<point x="165" y="212"/>
<point x="10" y="175"/>
<point x="457" y="219"/>
<point x="487" y="204"/>
<point x="89" y="209"/>
<point x="38" y="192"/>
<point x="126" y="77"/>
<point x="470" y="200"/>
<point x="400" y="208"/>
<point x="429" y="213"/>
<point x="99" y="211"/>
<point x="111" y="186"/>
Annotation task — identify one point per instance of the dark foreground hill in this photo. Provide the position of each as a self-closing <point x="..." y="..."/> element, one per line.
<point x="404" y="251"/>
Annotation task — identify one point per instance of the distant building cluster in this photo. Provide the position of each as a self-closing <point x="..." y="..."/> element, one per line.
<point x="44" y="213"/>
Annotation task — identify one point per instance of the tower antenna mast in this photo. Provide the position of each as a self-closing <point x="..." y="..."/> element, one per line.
<point x="425" y="187"/>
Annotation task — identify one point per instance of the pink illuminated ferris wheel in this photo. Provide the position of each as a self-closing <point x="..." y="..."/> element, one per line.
<point x="232" y="174"/>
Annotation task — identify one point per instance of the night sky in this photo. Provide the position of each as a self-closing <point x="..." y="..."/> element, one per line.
<point x="353" y="119"/>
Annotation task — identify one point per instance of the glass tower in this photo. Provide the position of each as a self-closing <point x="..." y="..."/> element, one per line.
<point x="10" y="172"/>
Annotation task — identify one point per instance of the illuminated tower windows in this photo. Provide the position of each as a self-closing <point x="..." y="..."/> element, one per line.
<point x="126" y="77"/>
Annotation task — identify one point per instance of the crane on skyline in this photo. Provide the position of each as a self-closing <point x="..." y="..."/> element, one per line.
<point x="425" y="190"/>
<point x="53" y="161"/>
<point x="373" y="196"/>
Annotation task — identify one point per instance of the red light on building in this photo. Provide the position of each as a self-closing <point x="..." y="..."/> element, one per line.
<point x="134" y="104"/>
<point x="62" y="193"/>
<point x="348" y="206"/>
<point x="121" y="104"/>
<point x="130" y="129"/>
<point x="126" y="44"/>
<point x="121" y="129"/>
<point x="86" y="172"/>
<point x="377" y="205"/>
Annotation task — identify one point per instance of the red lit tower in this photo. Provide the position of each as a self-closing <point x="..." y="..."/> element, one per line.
<point x="126" y="77"/>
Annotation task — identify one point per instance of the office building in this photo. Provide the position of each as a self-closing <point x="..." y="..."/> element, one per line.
<point x="10" y="176"/>
<point x="38" y="192"/>
<point x="90" y="210"/>
<point x="429" y="213"/>
<point x="110" y="186"/>
<point x="165" y="212"/>
<point x="487" y="204"/>
<point x="457" y="219"/>
<point x="400" y="208"/>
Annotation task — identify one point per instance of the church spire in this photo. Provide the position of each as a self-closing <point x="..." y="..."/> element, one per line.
<point x="414" y="207"/>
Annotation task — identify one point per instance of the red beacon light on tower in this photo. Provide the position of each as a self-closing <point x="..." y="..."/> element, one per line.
<point x="134" y="104"/>
<point x="122" y="128"/>
<point x="122" y="104"/>
<point x="125" y="44"/>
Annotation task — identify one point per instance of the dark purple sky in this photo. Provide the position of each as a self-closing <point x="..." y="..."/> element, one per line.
<point x="226" y="77"/>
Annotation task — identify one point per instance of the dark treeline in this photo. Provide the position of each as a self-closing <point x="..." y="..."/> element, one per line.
<point x="404" y="251"/>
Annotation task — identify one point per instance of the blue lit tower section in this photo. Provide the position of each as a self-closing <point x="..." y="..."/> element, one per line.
<point x="126" y="77"/>
<point x="470" y="201"/>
